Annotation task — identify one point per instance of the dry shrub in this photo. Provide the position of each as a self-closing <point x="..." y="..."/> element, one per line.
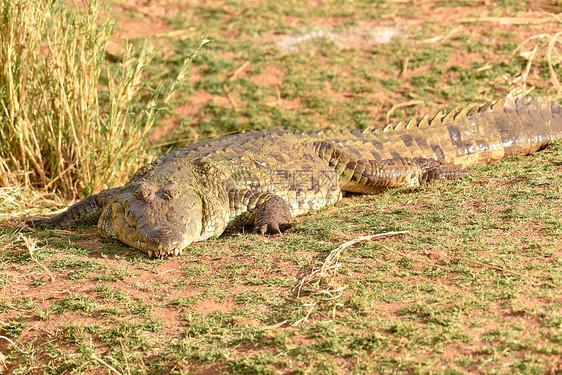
<point x="61" y="129"/>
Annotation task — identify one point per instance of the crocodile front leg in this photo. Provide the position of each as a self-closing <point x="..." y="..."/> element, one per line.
<point x="266" y="212"/>
<point x="85" y="212"/>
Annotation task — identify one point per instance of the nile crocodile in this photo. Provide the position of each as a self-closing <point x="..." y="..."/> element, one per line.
<point x="263" y="179"/>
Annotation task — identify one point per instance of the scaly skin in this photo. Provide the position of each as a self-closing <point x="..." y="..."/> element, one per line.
<point x="263" y="179"/>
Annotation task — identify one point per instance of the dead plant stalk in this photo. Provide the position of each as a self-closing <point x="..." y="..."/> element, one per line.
<point x="31" y="247"/>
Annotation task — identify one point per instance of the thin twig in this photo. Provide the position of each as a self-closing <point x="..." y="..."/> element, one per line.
<point x="326" y="271"/>
<point x="304" y="319"/>
<point x="171" y="270"/>
<point x="230" y="98"/>
<point x="332" y="258"/>
<point x="400" y="105"/>
<point x="443" y="37"/>
<point x="193" y="139"/>
<point x="66" y="291"/>
<point x="551" y="47"/>
<point x="124" y="356"/>
<point x="8" y="240"/>
<point x="277" y="325"/>
<point x="507" y="20"/>
<point x="484" y="67"/>
<point x="239" y="70"/>
<point x="525" y="74"/>
<point x="13" y="343"/>
<point x="105" y="363"/>
<point x="31" y="245"/>
<point x="530" y="55"/>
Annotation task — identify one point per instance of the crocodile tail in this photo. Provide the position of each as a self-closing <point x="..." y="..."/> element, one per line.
<point x="528" y="127"/>
<point x="485" y="133"/>
<point x="468" y="136"/>
<point x="510" y="127"/>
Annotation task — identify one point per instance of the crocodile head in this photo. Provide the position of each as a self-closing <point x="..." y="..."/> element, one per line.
<point x="159" y="219"/>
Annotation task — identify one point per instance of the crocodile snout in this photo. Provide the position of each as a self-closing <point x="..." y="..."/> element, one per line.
<point x="164" y="242"/>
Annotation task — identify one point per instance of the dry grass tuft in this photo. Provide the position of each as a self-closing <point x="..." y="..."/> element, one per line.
<point x="320" y="284"/>
<point x="535" y="45"/>
<point x="18" y="201"/>
<point x="71" y="122"/>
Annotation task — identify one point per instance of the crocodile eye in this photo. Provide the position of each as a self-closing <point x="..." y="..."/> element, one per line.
<point x="170" y="190"/>
<point x="143" y="191"/>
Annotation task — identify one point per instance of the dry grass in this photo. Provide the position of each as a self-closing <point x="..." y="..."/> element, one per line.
<point x="551" y="55"/>
<point x="71" y="122"/>
<point x="321" y="283"/>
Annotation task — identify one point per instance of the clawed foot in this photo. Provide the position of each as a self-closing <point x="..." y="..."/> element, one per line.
<point x="274" y="216"/>
<point x="436" y="170"/>
<point x="274" y="228"/>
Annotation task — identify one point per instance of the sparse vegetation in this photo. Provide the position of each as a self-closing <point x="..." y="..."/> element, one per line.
<point x="473" y="287"/>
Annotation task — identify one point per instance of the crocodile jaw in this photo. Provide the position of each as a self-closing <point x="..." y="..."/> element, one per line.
<point x="159" y="227"/>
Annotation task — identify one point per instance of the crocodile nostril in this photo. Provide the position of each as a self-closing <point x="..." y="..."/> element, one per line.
<point x="165" y="239"/>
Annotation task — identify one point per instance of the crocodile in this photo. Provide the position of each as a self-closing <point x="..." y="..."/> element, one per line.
<point x="263" y="179"/>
